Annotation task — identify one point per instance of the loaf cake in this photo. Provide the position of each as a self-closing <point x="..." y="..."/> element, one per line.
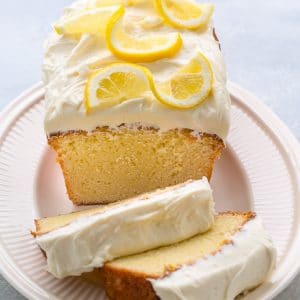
<point x="136" y="97"/>
<point x="81" y="241"/>
<point x="136" y="101"/>
<point x="235" y="256"/>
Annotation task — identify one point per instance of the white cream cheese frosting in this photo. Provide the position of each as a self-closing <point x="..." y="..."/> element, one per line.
<point x="68" y="62"/>
<point x="166" y="217"/>
<point x="238" y="267"/>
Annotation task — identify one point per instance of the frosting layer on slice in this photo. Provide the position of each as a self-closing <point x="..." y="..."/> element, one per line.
<point x="77" y="245"/>
<point x="239" y="266"/>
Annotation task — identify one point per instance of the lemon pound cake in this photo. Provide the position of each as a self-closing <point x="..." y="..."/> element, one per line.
<point x="136" y="96"/>
<point x="236" y="255"/>
<point x="82" y="241"/>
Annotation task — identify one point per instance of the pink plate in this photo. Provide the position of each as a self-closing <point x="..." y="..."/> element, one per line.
<point x="259" y="170"/>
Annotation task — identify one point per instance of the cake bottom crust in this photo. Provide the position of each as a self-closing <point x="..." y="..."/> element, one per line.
<point x="121" y="284"/>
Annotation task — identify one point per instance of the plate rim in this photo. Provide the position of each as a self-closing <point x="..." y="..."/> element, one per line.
<point x="271" y="122"/>
<point x="292" y="150"/>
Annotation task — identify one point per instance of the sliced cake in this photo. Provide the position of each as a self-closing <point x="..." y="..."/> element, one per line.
<point x="235" y="256"/>
<point x="82" y="241"/>
<point x="134" y="102"/>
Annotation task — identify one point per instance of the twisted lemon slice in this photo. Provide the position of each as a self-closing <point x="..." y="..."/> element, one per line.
<point x="189" y="87"/>
<point x="101" y="3"/>
<point x="142" y="49"/>
<point x="123" y="81"/>
<point x="185" y="13"/>
<point x="90" y="21"/>
<point x="115" y="84"/>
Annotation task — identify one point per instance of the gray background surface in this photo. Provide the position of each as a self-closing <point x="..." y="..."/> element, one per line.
<point x="260" y="41"/>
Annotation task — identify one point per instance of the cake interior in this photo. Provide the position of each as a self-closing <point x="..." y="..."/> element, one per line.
<point x="110" y="165"/>
<point x="46" y="225"/>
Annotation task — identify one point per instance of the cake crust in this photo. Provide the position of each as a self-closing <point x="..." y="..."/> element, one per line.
<point x="121" y="284"/>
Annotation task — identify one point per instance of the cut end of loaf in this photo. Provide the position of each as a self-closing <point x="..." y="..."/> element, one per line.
<point x="108" y="165"/>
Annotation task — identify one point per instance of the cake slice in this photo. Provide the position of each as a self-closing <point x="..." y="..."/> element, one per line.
<point x="121" y="137"/>
<point x="236" y="255"/>
<point x="82" y="241"/>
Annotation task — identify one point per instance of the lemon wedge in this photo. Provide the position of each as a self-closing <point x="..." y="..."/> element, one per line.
<point x="188" y="87"/>
<point x="139" y="49"/>
<point x="92" y="21"/>
<point x="185" y="13"/>
<point x="116" y="83"/>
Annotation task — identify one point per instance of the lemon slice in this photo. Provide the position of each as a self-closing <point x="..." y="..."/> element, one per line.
<point x="188" y="87"/>
<point x="115" y="84"/>
<point x="143" y="49"/>
<point x="101" y="3"/>
<point x="185" y="13"/>
<point x="90" y="21"/>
